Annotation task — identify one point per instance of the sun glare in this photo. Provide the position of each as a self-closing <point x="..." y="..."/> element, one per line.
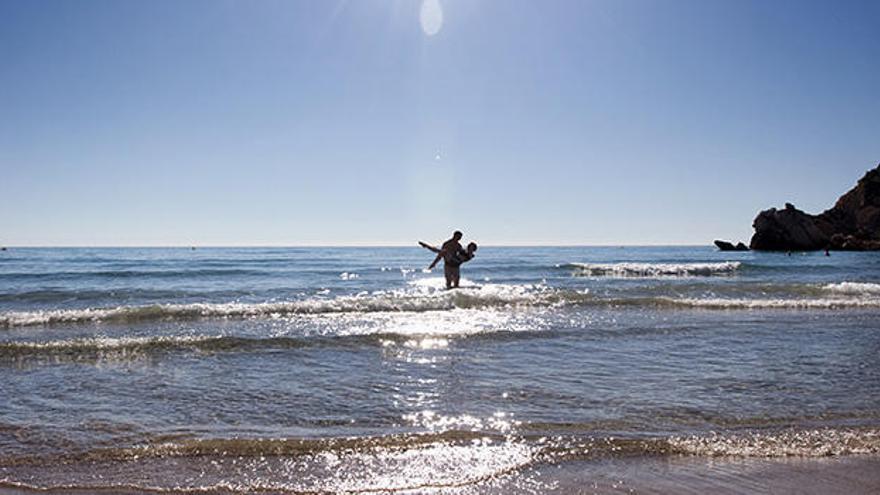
<point x="431" y="17"/>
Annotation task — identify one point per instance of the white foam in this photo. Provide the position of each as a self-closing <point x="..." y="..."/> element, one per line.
<point x="853" y="288"/>
<point x="427" y="294"/>
<point x="825" y="303"/>
<point x="438" y="283"/>
<point x="108" y="343"/>
<point x="656" y="269"/>
<point x="809" y="443"/>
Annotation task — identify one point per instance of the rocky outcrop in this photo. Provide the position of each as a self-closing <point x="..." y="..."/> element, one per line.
<point x="852" y="224"/>
<point x="789" y="229"/>
<point x="728" y="246"/>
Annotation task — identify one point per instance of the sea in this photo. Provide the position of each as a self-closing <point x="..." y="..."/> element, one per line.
<point x="353" y="370"/>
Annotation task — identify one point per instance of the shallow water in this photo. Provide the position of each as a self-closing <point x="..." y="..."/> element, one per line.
<point x="330" y="369"/>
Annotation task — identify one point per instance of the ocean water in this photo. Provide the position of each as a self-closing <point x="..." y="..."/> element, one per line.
<point x="351" y="369"/>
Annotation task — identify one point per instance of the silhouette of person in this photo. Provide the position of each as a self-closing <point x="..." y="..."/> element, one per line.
<point x="453" y="255"/>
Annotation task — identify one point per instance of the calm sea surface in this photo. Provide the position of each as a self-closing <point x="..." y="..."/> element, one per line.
<point x="333" y="369"/>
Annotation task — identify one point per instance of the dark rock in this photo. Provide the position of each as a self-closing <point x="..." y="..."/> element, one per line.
<point x="787" y="230"/>
<point x="853" y="243"/>
<point x="728" y="246"/>
<point x="852" y="224"/>
<point x="724" y="245"/>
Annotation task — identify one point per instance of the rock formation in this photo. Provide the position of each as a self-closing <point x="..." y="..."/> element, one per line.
<point x="852" y="224"/>
<point x="728" y="246"/>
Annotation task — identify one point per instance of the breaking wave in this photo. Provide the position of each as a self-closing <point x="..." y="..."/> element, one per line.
<point x="818" y="442"/>
<point x="382" y="464"/>
<point x="89" y="348"/>
<point x="642" y="270"/>
<point x="801" y="443"/>
<point x="743" y="303"/>
<point x="853" y="288"/>
<point x="424" y="299"/>
<point x="77" y="348"/>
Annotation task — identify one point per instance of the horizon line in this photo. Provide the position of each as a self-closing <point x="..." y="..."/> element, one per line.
<point x="226" y="246"/>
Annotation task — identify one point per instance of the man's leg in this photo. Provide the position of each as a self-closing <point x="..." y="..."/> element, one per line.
<point x="456" y="275"/>
<point x="449" y="273"/>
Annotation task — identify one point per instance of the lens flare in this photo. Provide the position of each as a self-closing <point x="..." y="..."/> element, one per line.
<point x="431" y="17"/>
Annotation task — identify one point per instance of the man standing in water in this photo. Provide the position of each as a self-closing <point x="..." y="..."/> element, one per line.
<point x="453" y="255"/>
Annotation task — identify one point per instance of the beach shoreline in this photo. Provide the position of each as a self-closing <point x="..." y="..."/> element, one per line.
<point x="854" y="474"/>
<point x="858" y="474"/>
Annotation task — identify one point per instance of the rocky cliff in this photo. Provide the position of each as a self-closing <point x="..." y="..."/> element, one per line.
<point x="852" y="224"/>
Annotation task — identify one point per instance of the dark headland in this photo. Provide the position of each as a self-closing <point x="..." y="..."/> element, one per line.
<point x="852" y="224"/>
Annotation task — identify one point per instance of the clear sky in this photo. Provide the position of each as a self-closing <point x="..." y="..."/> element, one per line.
<point x="386" y="121"/>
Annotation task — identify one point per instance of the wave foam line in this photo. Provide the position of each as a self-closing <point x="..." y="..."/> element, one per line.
<point x="853" y="288"/>
<point x="245" y="447"/>
<point x="399" y="301"/>
<point x="87" y="348"/>
<point x="474" y="298"/>
<point x="655" y="269"/>
<point x="820" y="442"/>
<point x="721" y="303"/>
<point x="801" y="443"/>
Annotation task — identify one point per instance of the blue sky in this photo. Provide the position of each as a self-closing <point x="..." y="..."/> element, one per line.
<point x="343" y="122"/>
